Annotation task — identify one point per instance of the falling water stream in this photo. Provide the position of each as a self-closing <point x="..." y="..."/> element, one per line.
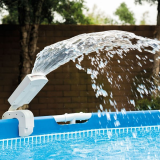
<point x="106" y="46"/>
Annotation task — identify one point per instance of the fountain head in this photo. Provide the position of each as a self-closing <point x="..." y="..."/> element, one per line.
<point x="27" y="90"/>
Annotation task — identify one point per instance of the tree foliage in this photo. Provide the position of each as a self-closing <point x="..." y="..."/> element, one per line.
<point x="144" y="18"/>
<point x="96" y="16"/>
<point x="146" y="104"/>
<point x="149" y="1"/>
<point x="70" y="11"/>
<point x="125" y="15"/>
<point x="13" y="8"/>
<point x="12" y="18"/>
<point x="152" y="2"/>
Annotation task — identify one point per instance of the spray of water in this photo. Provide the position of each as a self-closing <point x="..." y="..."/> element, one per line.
<point x="106" y="45"/>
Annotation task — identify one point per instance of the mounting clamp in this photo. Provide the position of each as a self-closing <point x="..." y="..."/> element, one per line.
<point x="25" y="118"/>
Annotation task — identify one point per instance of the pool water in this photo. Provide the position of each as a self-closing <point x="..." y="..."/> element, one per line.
<point x="120" y="143"/>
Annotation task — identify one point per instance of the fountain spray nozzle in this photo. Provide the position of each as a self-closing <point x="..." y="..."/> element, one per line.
<point x="27" y="90"/>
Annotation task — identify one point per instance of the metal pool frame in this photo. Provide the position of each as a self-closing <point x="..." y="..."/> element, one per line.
<point x="104" y="120"/>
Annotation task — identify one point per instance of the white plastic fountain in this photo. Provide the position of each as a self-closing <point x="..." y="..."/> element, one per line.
<point x="24" y="93"/>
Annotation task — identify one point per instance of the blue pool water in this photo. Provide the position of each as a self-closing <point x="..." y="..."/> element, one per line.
<point x="112" y="143"/>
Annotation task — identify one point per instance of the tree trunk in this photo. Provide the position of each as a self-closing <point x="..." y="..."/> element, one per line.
<point x="156" y="67"/>
<point x="28" y="36"/>
<point x="28" y="48"/>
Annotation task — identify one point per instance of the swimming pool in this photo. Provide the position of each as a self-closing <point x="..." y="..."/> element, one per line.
<point x="112" y="135"/>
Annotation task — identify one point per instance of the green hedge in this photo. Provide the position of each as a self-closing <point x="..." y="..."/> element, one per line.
<point x="146" y="104"/>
